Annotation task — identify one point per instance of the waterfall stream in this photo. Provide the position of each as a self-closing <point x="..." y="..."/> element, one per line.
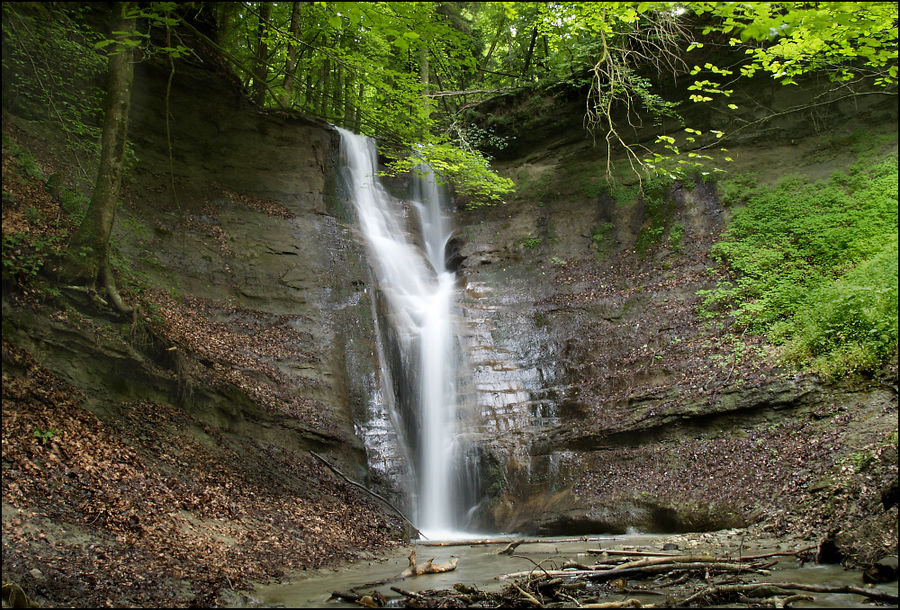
<point x="417" y="328"/>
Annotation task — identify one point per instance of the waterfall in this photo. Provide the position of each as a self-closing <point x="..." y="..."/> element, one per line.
<point x="418" y="335"/>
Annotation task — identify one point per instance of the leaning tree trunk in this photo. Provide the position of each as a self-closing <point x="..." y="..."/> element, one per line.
<point x="87" y="256"/>
<point x="357" y="116"/>
<point x="530" y="53"/>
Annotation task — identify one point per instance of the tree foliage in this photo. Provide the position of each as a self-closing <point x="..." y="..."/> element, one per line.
<point x="407" y="72"/>
<point x="410" y="73"/>
<point x="845" y="40"/>
<point x="52" y="72"/>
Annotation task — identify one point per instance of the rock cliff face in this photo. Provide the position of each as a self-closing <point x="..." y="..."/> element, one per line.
<point x="607" y="401"/>
<point x="248" y="231"/>
<point x="193" y="422"/>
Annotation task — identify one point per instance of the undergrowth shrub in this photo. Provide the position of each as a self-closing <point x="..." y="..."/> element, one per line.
<point x="814" y="265"/>
<point x="853" y="325"/>
<point x="657" y="210"/>
<point x="51" y="70"/>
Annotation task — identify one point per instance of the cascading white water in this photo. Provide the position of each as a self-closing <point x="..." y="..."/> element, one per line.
<point x="420" y="296"/>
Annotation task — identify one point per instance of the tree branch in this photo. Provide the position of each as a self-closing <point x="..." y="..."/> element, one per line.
<point x="367" y="490"/>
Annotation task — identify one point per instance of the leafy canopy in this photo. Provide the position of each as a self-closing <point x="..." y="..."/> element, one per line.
<point x="411" y="73"/>
<point x="846" y="40"/>
<point x="408" y="73"/>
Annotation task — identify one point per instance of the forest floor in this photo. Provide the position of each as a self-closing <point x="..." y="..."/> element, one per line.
<point x="144" y="510"/>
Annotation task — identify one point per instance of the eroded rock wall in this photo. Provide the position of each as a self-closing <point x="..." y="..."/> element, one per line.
<point x="607" y="401"/>
<point x="233" y="224"/>
<point x="164" y="459"/>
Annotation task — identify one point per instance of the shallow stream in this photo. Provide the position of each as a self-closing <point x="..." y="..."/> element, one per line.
<point x="480" y="566"/>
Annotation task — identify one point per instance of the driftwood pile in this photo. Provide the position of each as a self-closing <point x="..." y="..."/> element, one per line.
<point x="626" y="579"/>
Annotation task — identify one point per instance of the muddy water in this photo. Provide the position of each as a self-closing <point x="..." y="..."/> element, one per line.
<point x="480" y="565"/>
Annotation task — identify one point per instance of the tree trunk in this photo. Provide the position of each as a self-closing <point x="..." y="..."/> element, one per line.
<point x="290" y="66"/>
<point x="530" y="53"/>
<point x="487" y="58"/>
<point x="348" y="102"/>
<point x="337" y="83"/>
<point x="309" y="100"/>
<point x="87" y="256"/>
<point x="262" y="54"/>
<point x="357" y="119"/>
<point x="424" y="69"/>
<point x="324" y="84"/>
<point x="546" y="52"/>
<point x="337" y="92"/>
<point x="443" y="98"/>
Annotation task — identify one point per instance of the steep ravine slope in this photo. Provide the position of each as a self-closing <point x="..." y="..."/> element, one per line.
<point x="609" y="402"/>
<point x="165" y="460"/>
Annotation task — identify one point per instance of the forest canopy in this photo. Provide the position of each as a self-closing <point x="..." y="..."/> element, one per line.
<point x="412" y="73"/>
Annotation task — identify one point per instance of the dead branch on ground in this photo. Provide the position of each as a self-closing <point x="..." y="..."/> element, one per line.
<point x="367" y="490"/>
<point x="429" y="567"/>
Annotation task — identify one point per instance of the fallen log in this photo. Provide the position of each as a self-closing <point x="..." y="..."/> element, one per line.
<point x="538" y="574"/>
<point x="777" y="554"/>
<point x="414" y="569"/>
<point x="429" y="567"/>
<point x="663" y="560"/>
<point x="747" y="588"/>
<point x="508" y="550"/>
<point x="628" y="603"/>
<point x="483" y="541"/>
<point x="629" y="553"/>
<point x="367" y="490"/>
<point x="612" y="574"/>
<point x="712" y="566"/>
<point x="346" y="596"/>
<point x="405" y="593"/>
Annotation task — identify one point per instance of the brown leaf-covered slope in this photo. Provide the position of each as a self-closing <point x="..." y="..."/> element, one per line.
<point x="157" y="508"/>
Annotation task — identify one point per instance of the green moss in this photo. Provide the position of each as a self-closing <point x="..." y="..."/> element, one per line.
<point x="602" y="239"/>
<point x="862" y="460"/>
<point x="657" y="213"/>
<point x="676" y="235"/>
